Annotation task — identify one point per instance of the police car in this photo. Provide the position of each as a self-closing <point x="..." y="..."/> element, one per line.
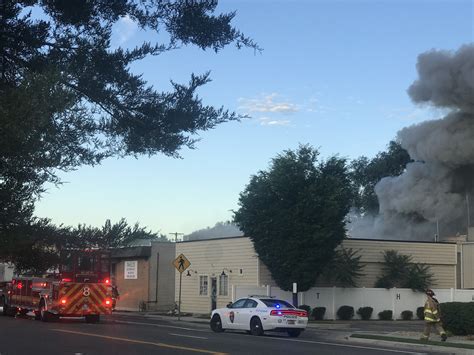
<point x="257" y="314"/>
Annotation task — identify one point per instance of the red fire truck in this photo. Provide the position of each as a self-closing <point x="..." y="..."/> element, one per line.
<point x="81" y="288"/>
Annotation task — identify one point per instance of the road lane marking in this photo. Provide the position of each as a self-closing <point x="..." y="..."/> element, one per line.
<point x="187" y="336"/>
<point x="348" y="346"/>
<point x="161" y="326"/>
<point x="128" y="340"/>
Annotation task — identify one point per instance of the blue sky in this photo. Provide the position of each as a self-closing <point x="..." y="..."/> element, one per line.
<point x="332" y="74"/>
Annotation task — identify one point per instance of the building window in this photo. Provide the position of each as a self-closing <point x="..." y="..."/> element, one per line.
<point x="203" y="285"/>
<point x="223" y="285"/>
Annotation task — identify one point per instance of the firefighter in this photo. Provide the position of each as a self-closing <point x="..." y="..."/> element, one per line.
<point x="115" y="296"/>
<point x="432" y="317"/>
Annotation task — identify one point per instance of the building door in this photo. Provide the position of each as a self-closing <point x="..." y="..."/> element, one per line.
<point x="213" y="293"/>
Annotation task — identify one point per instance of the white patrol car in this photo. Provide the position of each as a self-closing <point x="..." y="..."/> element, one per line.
<point x="257" y="314"/>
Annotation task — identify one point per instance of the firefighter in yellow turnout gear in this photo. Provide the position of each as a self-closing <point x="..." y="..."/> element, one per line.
<point x="432" y="317"/>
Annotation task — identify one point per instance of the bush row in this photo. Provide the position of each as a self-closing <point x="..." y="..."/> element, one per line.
<point x="457" y="317"/>
<point x="365" y="313"/>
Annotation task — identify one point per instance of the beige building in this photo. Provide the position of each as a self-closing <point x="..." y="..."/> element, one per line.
<point x="217" y="264"/>
<point x="144" y="276"/>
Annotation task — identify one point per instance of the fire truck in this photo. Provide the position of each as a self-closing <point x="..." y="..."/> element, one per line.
<point x="80" y="288"/>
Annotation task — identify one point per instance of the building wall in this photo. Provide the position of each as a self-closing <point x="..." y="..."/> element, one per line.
<point x="467" y="265"/>
<point x="6" y="271"/>
<point x="132" y="291"/>
<point x="162" y="277"/>
<point x="441" y="257"/>
<point x="210" y="257"/>
<point x="235" y="256"/>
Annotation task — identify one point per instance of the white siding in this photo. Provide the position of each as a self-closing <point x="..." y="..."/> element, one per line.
<point x="211" y="257"/>
<point x="440" y="257"/>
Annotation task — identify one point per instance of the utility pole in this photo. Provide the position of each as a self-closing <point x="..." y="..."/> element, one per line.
<point x="176" y="236"/>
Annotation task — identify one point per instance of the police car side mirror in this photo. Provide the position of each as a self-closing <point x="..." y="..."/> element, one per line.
<point x="229" y="305"/>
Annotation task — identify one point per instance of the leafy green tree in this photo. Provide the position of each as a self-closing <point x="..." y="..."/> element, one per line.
<point x="68" y="98"/>
<point x="294" y="213"/>
<point x="345" y="268"/>
<point x="366" y="173"/>
<point x="399" y="270"/>
<point x="37" y="246"/>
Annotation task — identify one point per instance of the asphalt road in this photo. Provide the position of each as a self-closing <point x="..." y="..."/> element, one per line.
<point x="128" y="335"/>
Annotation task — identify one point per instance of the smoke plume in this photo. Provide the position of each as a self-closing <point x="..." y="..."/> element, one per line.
<point x="431" y="196"/>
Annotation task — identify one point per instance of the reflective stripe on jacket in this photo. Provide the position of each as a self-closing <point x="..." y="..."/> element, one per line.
<point x="431" y="310"/>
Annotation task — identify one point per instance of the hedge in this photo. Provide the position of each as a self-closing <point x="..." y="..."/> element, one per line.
<point x="345" y="312"/>
<point x="318" y="313"/>
<point x="386" y="315"/>
<point x="458" y="317"/>
<point x="365" y="312"/>
<point x="407" y="315"/>
<point x="420" y="313"/>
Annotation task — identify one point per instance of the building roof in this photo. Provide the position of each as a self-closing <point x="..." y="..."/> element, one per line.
<point x="355" y="239"/>
<point x="131" y="252"/>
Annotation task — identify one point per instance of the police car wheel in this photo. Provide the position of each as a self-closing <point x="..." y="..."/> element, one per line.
<point x="256" y="326"/>
<point x="294" y="333"/>
<point x="216" y="324"/>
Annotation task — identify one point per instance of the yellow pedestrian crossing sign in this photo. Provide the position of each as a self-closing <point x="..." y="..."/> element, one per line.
<point x="181" y="263"/>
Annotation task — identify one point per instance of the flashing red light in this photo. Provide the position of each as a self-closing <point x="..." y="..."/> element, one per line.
<point x="289" y="312"/>
<point x="67" y="279"/>
<point x="107" y="281"/>
<point x="19" y="285"/>
<point x="108" y="302"/>
<point x="63" y="301"/>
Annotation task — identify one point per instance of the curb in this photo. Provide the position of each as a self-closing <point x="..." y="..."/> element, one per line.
<point x="409" y="342"/>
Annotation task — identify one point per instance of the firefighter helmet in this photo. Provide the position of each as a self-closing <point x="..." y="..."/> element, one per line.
<point x="430" y="292"/>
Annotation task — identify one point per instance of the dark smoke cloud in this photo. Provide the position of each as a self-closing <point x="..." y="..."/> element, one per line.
<point x="434" y="187"/>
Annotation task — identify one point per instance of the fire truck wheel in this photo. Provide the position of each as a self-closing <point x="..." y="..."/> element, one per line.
<point x="93" y="318"/>
<point x="12" y="311"/>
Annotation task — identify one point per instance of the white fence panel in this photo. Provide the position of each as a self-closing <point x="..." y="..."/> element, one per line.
<point x="396" y="299"/>
<point x="321" y="297"/>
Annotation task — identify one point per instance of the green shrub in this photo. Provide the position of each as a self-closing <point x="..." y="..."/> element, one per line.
<point x="318" y="313"/>
<point x="407" y="315"/>
<point x="458" y="317"/>
<point x="420" y="313"/>
<point x="345" y="312"/>
<point x="365" y="312"/>
<point x="306" y="308"/>
<point x="386" y="315"/>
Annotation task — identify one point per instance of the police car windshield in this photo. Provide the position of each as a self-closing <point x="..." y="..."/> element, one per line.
<point x="276" y="303"/>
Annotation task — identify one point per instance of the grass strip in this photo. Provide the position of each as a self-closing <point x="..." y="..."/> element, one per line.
<point x="413" y="341"/>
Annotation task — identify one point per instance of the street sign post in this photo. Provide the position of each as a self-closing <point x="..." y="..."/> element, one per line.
<point x="181" y="263"/>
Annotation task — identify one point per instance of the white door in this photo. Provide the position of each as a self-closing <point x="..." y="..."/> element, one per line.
<point x="245" y="314"/>
<point x="232" y="313"/>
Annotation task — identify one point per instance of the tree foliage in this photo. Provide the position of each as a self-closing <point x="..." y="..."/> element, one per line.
<point x="294" y="214"/>
<point x="399" y="270"/>
<point x="345" y="268"/>
<point x="36" y="248"/>
<point x="69" y="98"/>
<point x="366" y="173"/>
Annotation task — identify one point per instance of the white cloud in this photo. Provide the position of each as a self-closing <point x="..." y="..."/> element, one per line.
<point x="267" y="103"/>
<point x="267" y="121"/>
<point x="125" y="29"/>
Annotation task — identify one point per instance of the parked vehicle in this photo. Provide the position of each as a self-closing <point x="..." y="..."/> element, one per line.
<point x="257" y="314"/>
<point x="81" y="288"/>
